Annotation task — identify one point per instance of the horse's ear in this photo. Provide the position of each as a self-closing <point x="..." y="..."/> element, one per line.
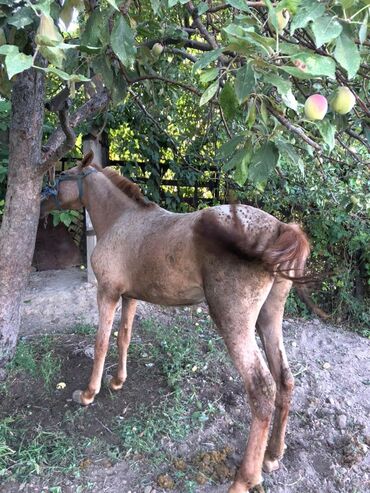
<point x="87" y="160"/>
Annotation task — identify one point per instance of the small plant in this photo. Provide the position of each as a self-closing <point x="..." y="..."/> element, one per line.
<point x="37" y="359"/>
<point x="84" y="329"/>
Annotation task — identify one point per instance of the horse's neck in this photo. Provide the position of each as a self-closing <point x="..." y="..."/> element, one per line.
<point x="105" y="203"/>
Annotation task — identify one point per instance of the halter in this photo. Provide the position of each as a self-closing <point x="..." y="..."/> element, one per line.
<point x="52" y="189"/>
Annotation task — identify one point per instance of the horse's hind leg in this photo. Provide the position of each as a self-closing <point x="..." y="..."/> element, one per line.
<point x="123" y="342"/>
<point x="269" y="326"/>
<point x="234" y="306"/>
<point x="107" y="302"/>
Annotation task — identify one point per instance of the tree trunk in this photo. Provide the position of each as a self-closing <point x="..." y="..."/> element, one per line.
<point x="22" y="203"/>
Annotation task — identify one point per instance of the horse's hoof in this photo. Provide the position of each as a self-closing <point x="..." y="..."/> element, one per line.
<point x="258" y="489"/>
<point x="240" y="486"/>
<point x="270" y="465"/>
<point x="111" y="381"/>
<point x="78" y="397"/>
<point x="237" y="488"/>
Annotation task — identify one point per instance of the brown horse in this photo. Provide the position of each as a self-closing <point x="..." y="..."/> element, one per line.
<point x="239" y="259"/>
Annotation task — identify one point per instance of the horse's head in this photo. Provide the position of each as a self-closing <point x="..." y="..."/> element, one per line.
<point x="67" y="191"/>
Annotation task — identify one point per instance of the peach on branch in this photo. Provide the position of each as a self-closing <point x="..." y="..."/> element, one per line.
<point x="157" y="49"/>
<point x="343" y="101"/>
<point x="315" y="107"/>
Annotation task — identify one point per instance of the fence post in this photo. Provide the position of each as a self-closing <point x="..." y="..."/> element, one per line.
<point x="93" y="143"/>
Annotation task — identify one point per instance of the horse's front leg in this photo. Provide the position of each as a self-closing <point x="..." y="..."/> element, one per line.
<point x="123" y="342"/>
<point x="107" y="303"/>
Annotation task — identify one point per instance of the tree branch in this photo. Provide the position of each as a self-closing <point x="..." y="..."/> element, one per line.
<point x="188" y="43"/>
<point x="60" y="141"/>
<point x="183" y="54"/>
<point x="357" y="137"/>
<point x="201" y="27"/>
<point x="163" y="79"/>
<point x="297" y="130"/>
<point x="224" y="6"/>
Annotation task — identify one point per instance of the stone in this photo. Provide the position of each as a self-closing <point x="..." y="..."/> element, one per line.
<point x="342" y="421"/>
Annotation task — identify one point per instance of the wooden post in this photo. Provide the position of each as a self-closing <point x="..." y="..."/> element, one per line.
<point x="93" y="143"/>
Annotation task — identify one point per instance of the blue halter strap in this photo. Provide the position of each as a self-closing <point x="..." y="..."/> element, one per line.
<point x="52" y="190"/>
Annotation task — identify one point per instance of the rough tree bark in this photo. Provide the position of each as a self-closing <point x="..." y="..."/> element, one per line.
<point x="27" y="164"/>
<point x="22" y="203"/>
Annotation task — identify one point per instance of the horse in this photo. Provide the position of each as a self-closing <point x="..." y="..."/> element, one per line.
<point x="240" y="260"/>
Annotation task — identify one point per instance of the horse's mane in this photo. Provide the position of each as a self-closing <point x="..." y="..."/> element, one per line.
<point x="126" y="186"/>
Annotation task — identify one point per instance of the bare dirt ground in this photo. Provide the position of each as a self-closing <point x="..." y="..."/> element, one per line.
<point x="194" y="440"/>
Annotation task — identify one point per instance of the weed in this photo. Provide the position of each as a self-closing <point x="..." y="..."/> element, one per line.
<point x="84" y="329"/>
<point x="42" y="452"/>
<point x="24" y="359"/>
<point x="144" y="432"/>
<point x="37" y="358"/>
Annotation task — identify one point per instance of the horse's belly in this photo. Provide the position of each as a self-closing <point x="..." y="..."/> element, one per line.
<point x="163" y="294"/>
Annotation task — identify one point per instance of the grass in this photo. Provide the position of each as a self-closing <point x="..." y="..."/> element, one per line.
<point x="84" y="329"/>
<point x="37" y="360"/>
<point x="182" y="353"/>
<point x="25" y="452"/>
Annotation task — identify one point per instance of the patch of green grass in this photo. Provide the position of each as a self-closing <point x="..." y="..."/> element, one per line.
<point x="180" y="354"/>
<point x="27" y="452"/>
<point x="84" y="329"/>
<point x="143" y="432"/>
<point x="37" y="359"/>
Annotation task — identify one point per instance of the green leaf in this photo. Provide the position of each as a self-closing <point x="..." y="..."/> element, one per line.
<point x="327" y="131"/>
<point x="54" y="55"/>
<point x="123" y="41"/>
<point x="325" y="29"/>
<point x="47" y="33"/>
<point x="101" y="66"/>
<point x="282" y="85"/>
<point x="155" y="5"/>
<point x="119" y="89"/>
<point x="362" y="34"/>
<point x="313" y="66"/>
<point x="17" y="63"/>
<point x="291" y="5"/>
<point x="202" y="8"/>
<point x="96" y="31"/>
<point x="247" y="36"/>
<point x="347" y="54"/>
<point x="235" y="160"/>
<point x="69" y="77"/>
<point x="244" y="83"/>
<point x="308" y="11"/>
<point x="241" y="166"/>
<point x="229" y="148"/>
<point x="208" y="93"/>
<point x="21" y="18"/>
<point x="205" y="59"/>
<point x="208" y="75"/>
<point x="290" y="101"/>
<point x="263" y="162"/>
<point x="172" y="3"/>
<point x="67" y="11"/>
<point x="113" y="3"/>
<point x="228" y="100"/>
<point x="9" y="50"/>
<point x="288" y="152"/>
<point x="240" y="5"/>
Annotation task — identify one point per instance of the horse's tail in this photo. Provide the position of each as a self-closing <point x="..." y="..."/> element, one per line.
<point x="285" y="255"/>
<point x="284" y="251"/>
